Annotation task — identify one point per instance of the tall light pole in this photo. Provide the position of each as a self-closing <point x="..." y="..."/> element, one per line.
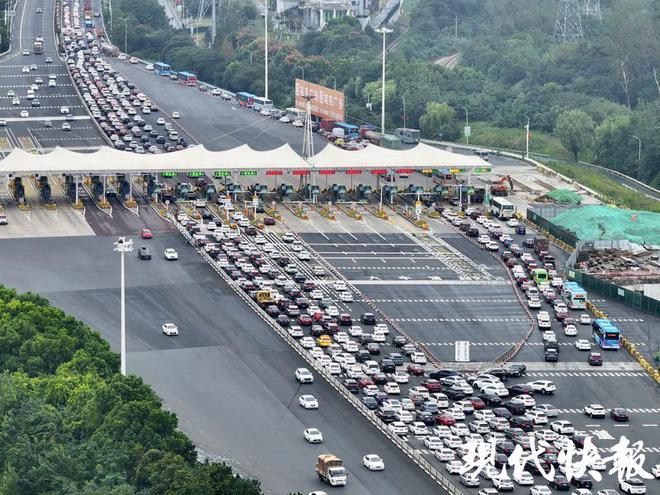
<point x="467" y="125"/>
<point x="302" y="69"/>
<point x="383" y="31"/>
<point x="639" y="153"/>
<point x="403" y="98"/>
<point x="266" y="48"/>
<point x="122" y="245"/>
<point x="527" y="138"/>
<point x="125" y="33"/>
<point x="334" y="80"/>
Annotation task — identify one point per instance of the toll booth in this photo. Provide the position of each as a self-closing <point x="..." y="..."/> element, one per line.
<point x="209" y="191"/>
<point x="123" y="186"/>
<point x="70" y="187"/>
<point x="19" y="189"/>
<point x="98" y="190"/>
<point x="364" y="191"/>
<point x="413" y="189"/>
<point x="311" y="192"/>
<point x="285" y="191"/>
<point x="150" y="181"/>
<point x="389" y="193"/>
<point x="260" y="188"/>
<point x="234" y="190"/>
<point x="182" y="190"/>
<point x="44" y="188"/>
<point x="339" y="192"/>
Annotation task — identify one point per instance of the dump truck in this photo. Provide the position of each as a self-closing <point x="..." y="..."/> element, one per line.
<point x="330" y="469"/>
<point x="541" y="244"/>
<point x="265" y="297"/>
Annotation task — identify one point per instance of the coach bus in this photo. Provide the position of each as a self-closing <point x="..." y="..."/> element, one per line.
<point x="162" y="69"/>
<point x="540" y="276"/>
<point x="245" y="99"/>
<point x="605" y="334"/>
<point x="260" y="103"/>
<point x="501" y="208"/>
<point x="574" y="295"/>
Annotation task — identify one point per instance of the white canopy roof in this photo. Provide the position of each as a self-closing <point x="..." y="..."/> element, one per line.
<point x="421" y="156"/>
<point x="110" y="161"/>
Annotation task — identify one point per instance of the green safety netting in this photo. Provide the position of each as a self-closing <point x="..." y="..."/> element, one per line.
<point x="605" y="222"/>
<point x="564" y="197"/>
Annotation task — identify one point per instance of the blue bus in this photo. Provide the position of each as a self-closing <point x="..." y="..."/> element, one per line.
<point x="162" y="69"/>
<point x="574" y="295"/>
<point x="606" y="334"/>
<point x="350" y="131"/>
<point x="245" y="99"/>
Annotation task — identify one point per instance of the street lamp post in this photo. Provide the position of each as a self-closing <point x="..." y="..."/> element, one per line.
<point x="334" y="80"/>
<point x="467" y="125"/>
<point x="302" y="69"/>
<point x="403" y="98"/>
<point x="639" y="153"/>
<point x="123" y="245"/>
<point x="266" y="48"/>
<point x="125" y="33"/>
<point x="527" y="138"/>
<point x="384" y="31"/>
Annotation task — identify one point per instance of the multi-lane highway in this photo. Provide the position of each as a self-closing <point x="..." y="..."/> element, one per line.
<point x="32" y="132"/>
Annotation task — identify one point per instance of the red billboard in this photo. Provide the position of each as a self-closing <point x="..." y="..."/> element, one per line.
<point x="326" y="103"/>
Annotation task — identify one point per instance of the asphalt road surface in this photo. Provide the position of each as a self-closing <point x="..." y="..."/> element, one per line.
<point x="228" y="376"/>
<point x="30" y="132"/>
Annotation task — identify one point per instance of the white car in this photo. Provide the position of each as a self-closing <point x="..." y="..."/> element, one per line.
<point x="373" y="462"/>
<point x="512" y="222"/>
<point x="459" y="429"/>
<point x="483" y="414"/>
<point x="307" y="342"/>
<point x="296" y="332"/>
<point x="502" y="483"/>
<point x="525" y="400"/>
<point x="418" y="429"/>
<point x="483" y="239"/>
<point x="313" y="435"/>
<point x="523" y="478"/>
<point x="355" y="331"/>
<point x="441" y="431"/>
<point x="418" y="358"/>
<point x="445" y="454"/>
<point x="339" y="285"/>
<point x="570" y="330"/>
<point x="543" y="386"/>
<point x="308" y="402"/>
<point x="176" y="115"/>
<point x="392" y="388"/>
<point x="563" y="427"/>
<point x="332" y="311"/>
<point x="160" y="121"/>
<point x="398" y="428"/>
<point x="297" y="123"/>
<point x="432" y="442"/>
<point x="582" y="345"/>
<point x="632" y="486"/>
<point x="171" y="254"/>
<point x="500" y="391"/>
<point x="453" y="442"/>
<point x="400" y="377"/>
<point x="595" y="411"/>
<point x="454" y="467"/>
<point x="24" y="114"/>
<point x="170" y="329"/>
<point x="382" y="328"/>
<point x="404" y="416"/>
<point x="284" y="119"/>
<point x="346" y="297"/>
<point x="540" y="490"/>
<point x="585" y="319"/>
<point x="546" y="435"/>
<point x="350" y="346"/>
<point x="25" y="69"/>
<point x="303" y="375"/>
<point x="64" y="109"/>
<point x="534" y="303"/>
<point x="538" y="417"/>
<point x="378" y="337"/>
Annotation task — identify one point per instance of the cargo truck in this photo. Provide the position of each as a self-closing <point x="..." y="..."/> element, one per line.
<point x="330" y="469"/>
<point x="541" y="244"/>
<point x="38" y="47"/>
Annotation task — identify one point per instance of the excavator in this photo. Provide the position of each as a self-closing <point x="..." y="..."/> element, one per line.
<point x="499" y="187"/>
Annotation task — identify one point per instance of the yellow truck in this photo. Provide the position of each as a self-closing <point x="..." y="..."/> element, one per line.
<point x="330" y="469"/>
<point x="265" y="297"/>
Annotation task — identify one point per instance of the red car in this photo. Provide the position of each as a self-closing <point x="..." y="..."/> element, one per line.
<point x="432" y="385"/>
<point x="146" y="234"/>
<point x="363" y="382"/>
<point x="445" y="418"/>
<point x="304" y="320"/>
<point x="415" y="370"/>
<point x="477" y="403"/>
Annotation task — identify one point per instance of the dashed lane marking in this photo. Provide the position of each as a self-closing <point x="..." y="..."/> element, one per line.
<point x="652" y="410"/>
<point x="425" y="267"/>
<point x="459" y="300"/>
<point x="414" y="320"/>
<point x="377" y="281"/>
<point x="567" y="344"/>
<point x="42" y="107"/>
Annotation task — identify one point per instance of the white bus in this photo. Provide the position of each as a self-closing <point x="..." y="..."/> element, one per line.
<point x="501" y="208"/>
<point x="259" y="103"/>
<point x="295" y="114"/>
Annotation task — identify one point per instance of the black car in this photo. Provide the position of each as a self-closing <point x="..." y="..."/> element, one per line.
<point x="521" y="389"/>
<point x="379" y="378"/>
<point x="521" y="230"/>
<point x="500" y="460"/>
<point x="524" y="424"/>
<point x="559" y="483"/>
<point x="425" y="417"/>
<point x="283" y="320"/>
<point x="502" y="412"/>
<point x="144" y="253"/>
<point x="619" y="414"/>
<point x="529" y="243"/>
<point x="583" y="481"/>
<point x="386" y="415"/>
<point x="515" y="409"/>
<point x="454" y="393"/>
<point x="551" y="355"/>
<point x="516" y="370"/>
<point x="273" y="311"/>
<point x="505" y="448"/>
<point x="351" y="385"/>
<point x="437" y="374"/>
<point x="491" y="399"/>
<point x="370" y="402"/>
<point x="368" y="319"/>
<point x="387" y="366"/>
<point x="362" y="356"/>
<point x="399" y="341"/>
<point x="373" y="348"/>
<point x="532" y="468"/>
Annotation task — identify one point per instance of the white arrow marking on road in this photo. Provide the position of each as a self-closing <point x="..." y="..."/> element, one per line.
<point x="373" y="278"/>
<point x="434" y="277"/>
<point x="403" y="277"/>
<point x="602" y="434"/>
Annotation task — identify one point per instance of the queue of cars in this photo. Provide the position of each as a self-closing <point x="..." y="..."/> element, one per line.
<point x="440" y="409"/>
<point x="116" y="104"/>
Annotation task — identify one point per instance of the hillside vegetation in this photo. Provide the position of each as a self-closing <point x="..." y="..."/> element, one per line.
<point x="510" y="68"/>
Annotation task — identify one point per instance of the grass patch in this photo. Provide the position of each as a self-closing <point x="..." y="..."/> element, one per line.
<point x="485" y="134"/>
<point x="606" y="186"/>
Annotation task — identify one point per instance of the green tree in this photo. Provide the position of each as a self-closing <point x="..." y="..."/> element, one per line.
<point x="575" y="130"/>
<point x="439" y="121"/>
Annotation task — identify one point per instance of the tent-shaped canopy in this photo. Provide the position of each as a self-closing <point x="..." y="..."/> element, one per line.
<point x="421" y="156"/>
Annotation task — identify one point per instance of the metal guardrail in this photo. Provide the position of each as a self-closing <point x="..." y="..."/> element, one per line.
<point x="412" y="453"/>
